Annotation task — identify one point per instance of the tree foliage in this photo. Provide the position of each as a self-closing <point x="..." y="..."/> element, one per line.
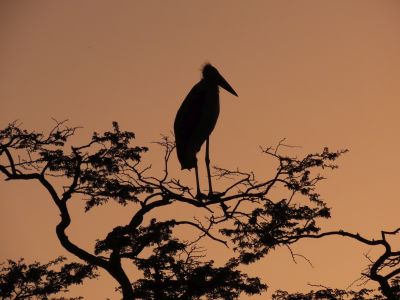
<point x="329" y="294"/>
<point x="246" y="216"/>
<point x="19" y="280"/>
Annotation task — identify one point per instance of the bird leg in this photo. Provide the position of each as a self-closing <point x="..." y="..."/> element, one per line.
<point x="211" y="194"/>
<point x="199" y="194"/>
<point x="210" y="190"/>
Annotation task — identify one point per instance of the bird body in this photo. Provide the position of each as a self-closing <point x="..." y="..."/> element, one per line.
<point x="196" y="119"/>
<point x="198" y="115"/>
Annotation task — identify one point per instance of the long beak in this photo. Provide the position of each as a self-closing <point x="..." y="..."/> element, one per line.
<point x="224" y="84"/>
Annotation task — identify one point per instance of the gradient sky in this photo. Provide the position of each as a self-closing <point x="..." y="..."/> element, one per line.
<point x="318" y="73"/>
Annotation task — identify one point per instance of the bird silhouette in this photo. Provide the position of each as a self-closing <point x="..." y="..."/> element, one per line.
<point x="196" y="119"/>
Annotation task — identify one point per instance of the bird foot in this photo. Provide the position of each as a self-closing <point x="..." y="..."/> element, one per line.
<point x="200" y="196"/>
<point x="215" y="195"/>
<point x="210" y="196"/>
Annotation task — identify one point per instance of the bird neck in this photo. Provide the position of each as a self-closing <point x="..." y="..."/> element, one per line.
<point x="210" y="84"/>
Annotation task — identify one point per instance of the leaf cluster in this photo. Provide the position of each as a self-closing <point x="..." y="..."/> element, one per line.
<point x="178" y="270"/>
<point x="19" y="280"/>
<point x="328" y="294"/>
<point x="283" y="222"/>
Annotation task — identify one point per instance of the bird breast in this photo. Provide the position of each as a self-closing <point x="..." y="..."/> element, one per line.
<point x="195" y="120"/>
<point x="209" y="112"/>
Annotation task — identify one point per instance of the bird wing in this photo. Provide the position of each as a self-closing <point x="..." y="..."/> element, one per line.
<point x="186" y="124"/>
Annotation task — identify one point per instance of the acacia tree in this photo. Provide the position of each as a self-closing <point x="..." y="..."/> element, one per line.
<point x="109" y="168"/>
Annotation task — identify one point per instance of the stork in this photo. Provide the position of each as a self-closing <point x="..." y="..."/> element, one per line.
<point x="196" y="119"/>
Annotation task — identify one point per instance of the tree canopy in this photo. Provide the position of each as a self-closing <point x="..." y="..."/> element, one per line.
<point x="252" y="221"/>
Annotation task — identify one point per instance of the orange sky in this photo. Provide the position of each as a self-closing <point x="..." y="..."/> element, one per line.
<point x="318" y="73"/>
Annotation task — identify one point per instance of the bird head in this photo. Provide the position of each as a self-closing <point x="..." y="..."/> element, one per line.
<point x="211" y="74"/>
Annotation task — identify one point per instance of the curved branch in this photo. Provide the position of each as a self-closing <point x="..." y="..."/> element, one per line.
<point x="357" y="237"/>
<point x="379" y="263"/>
<point x="206" y="231"/>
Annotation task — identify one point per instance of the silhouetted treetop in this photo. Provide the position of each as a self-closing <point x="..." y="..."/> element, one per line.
<point x="328" y="294"/>
<point x="178" y="270"/>
<point x="93" y="167"/>
<point x="245" y="215"/>
<point x="19" y="280"/>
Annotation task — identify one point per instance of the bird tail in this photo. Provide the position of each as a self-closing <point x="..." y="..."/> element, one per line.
<point x="187" y="160"/>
